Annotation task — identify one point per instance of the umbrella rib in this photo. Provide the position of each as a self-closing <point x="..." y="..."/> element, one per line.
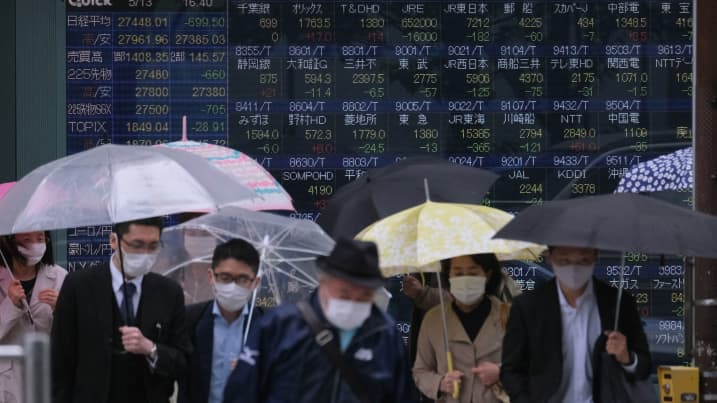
<point x="284" y="272"/>
<point x="291" y="259"/>
<point x="298" y="269"/>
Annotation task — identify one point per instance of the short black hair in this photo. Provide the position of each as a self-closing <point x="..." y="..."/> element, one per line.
<point x="122" y="228"/>
<point x="489" y="263"/>
<point x="8" y="247"/>
<point x="238" y="249"/>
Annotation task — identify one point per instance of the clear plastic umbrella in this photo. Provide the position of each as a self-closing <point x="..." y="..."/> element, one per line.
<point x="115" y="183"/>
<point x="288" y="249"/>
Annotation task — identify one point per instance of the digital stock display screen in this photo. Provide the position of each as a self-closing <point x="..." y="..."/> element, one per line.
<point x="559" y="97"/>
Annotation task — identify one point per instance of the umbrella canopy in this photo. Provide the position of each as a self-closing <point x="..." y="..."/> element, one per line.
<point x="617" y="222"/>
<point x="668" y="172"/>
<point x="245" y="169"/>
<point x="5" y="187"/>
<point x="388" y="190"/>
<point x="288" y="248"/>
<point x="417" y="239"/>
<point x="115" y="183"/>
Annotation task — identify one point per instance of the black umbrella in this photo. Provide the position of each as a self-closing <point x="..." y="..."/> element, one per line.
<point x="618" y="222"/>
<point x="388" y="190"/>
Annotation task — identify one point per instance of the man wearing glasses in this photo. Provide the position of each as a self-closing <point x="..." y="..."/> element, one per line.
<point x="119" y="332"/>
<point x="217" y="326"/>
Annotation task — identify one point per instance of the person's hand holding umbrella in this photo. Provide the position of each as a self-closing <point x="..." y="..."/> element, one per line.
<point x="134" y="341"/>
<point x="450" y="383"/>
<point x="616" y="346"/>
<point x="16" y="294"/>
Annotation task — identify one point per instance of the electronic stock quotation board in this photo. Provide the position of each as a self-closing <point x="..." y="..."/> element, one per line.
<point x="559" y="97"/>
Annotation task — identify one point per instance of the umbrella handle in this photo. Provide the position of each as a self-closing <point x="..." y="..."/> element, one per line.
<point x="456" y="387"/>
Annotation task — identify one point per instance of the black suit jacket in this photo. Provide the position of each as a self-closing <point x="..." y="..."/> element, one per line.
<point x="200" y="322"/>
<point x="83" y="336"/>
<point x="532" y="347"/>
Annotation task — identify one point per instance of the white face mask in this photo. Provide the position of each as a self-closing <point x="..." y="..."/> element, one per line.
<point x="33" y="252"/>
<point x="138" y="264"/>
<point x="573" y="276"/>
<point x="231" y="297"/>
<point x="346" y="314"/>
<point x="468" y="289"/>
<point x="382" y="298"/>
<point x="197" y="246"/>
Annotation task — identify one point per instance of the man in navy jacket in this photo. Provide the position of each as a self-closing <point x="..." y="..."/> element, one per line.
<point x="217" y="327"/>
<point x="282" y="362"/>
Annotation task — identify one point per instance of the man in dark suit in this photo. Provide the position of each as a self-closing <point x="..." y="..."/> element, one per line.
<point x="556" y="334"/>
<point x="217" y="326"/>
<point x="120" y="339"/>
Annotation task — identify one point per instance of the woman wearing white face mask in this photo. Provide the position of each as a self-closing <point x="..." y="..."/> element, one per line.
<point x="28" y="293"/>
<point x="475" y="334"/>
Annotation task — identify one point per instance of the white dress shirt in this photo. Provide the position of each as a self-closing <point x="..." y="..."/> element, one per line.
<point x="119" y="296"/>
<point x="581" y="327"/>
<point x="117" y="284"/>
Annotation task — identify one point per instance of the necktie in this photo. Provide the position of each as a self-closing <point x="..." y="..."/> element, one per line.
<point x="128" y="291"/>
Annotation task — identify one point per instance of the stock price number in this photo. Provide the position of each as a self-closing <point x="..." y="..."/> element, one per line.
<point x="206" y="57"/>
<point x="318" y="134"/>
<point x="474" y="133"/>
<point x="151" y="109"/>
<point x="140" y="39"/>
<point x="142" y="22"/>
<point x="209" y="92"/>
<point x="200" y="39"/>
<point x="321" y="190"/>
<point x="262" y="134"/>
<point x="151" y="74"/>
<point x="205" y="126"/>
<point x="205" y="22"/>
<point x="147" y="127"/>
<point x="151" y="92"/>
<point x="369" y="134"/>
<point x="214" y="74"/>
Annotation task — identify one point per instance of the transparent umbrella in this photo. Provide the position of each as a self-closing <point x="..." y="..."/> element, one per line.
<point x="112" y="184"/>
<point x="115" y="183"/>
<point x="288" y="249"/>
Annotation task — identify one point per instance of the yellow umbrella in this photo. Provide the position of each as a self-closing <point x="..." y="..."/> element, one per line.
<point x="418" y="238"/>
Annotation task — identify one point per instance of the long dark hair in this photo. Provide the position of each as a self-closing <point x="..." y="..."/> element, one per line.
<point x="8" y="245"/>
<point x="489" y="263"/>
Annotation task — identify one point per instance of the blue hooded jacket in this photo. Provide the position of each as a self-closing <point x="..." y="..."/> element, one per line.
<point x="281" y="362"/>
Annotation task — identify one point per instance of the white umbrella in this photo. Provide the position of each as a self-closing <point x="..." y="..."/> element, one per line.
<point x="115" y="183"/>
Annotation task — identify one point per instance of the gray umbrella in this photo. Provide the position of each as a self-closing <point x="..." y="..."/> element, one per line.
<point x="617" y="222"/>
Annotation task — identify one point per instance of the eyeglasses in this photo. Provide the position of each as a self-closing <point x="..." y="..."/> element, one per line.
<point x="242" y="280"/>
<point x="139" y="246"/>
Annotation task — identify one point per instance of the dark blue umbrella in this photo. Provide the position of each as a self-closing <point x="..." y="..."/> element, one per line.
<point x="668" y="172"/>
